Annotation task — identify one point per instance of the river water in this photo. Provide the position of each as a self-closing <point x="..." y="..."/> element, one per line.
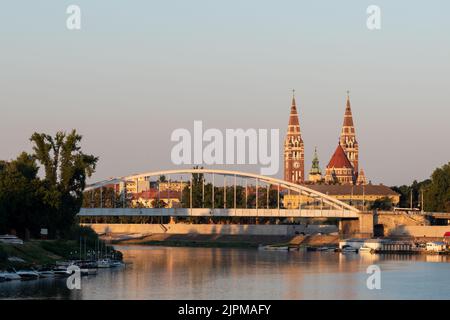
<point x="211" y="273"/>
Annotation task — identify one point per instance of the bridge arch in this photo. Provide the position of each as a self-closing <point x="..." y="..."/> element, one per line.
<point x="300" y="189"/>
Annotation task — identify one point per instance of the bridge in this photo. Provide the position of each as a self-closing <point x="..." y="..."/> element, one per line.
<point x="317" y="204"/>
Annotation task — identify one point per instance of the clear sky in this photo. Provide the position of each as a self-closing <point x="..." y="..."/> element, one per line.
<point x="137" y="70"/>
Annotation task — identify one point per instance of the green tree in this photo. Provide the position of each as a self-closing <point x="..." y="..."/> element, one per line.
<point x="384" y="204"/>
<point x="21" y="196"/>
<point x="66" y="169"/>
<point x="437" y="192"/>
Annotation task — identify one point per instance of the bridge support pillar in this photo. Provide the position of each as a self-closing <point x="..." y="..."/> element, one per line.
<point x="362" y="227"/>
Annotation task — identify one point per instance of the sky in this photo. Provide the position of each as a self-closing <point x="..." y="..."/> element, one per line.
<point x="138" y="70"/>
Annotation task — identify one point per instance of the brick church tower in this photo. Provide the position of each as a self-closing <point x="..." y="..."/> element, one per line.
<point x="294" y="151"/>
<point x="348" y="138"/>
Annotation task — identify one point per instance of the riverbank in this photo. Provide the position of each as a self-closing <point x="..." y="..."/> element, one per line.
<point x="36" y="252"/>
<point x="231" y="241"/>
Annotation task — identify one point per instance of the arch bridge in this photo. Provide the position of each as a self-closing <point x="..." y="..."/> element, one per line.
<point x="310" y="204"/>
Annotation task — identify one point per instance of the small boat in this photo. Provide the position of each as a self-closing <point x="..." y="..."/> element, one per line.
<point x="45" y="273"/>
<point x="10" y="274"/>
<point x="366" y="249"/>
<point x="28" y="274"/>
<point x="61" y="271"/>
<point x="348" y="249"/>
<point x="274" y="248"/>
<point x="104" y="263"/>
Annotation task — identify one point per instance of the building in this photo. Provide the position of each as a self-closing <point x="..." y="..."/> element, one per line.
<point x="361" y="180"/>
<point x="315" y="174"/>
<point x="360" y="196"/>
<point x="172" y="185"/>
<point x="348" y="137"/>
<point x="294" y="152"/>
<point x="339" y="170"/>
<point x="149" y="199"/>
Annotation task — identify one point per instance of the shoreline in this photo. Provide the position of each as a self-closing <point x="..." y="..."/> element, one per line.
<point x="230" y="241"/>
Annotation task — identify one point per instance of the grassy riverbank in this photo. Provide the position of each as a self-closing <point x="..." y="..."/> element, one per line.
<point x="36" y="252"/>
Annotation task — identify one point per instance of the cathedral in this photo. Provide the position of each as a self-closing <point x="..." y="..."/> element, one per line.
<point x="343" y="167"/>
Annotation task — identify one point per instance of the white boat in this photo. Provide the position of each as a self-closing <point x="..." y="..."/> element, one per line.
<point x="10" y="275"/>
<point x="28" y="274"/>
<point x="46" y="273"/>
<point x="61" y="271"/>
<point x="365" y="249"/>
<point x="104" y="263"/>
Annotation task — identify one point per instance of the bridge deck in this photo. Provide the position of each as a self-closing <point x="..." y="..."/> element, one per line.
<point x="207" y="212"/>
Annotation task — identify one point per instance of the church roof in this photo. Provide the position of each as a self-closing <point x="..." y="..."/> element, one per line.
<point x="339" y="159"/>
<point x="369" y="189"/>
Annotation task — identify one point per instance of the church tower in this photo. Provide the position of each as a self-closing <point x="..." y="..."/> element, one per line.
<point x="294" y="152"/>
<point x="315" y="174"/>
<point x="348" y="137"/>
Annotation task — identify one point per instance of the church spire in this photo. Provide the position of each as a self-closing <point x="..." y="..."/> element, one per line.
<point x="293" y="148"/>
<point x="293" y="118"/>
<point x="348" y="136"/>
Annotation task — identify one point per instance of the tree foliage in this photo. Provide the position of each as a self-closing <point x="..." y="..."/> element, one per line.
<point x="27" y="202"/>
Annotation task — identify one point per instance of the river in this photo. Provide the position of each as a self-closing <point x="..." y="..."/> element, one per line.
<point x="156" y="272"/>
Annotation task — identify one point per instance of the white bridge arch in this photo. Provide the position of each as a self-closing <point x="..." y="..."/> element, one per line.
<point x="337" y="208"/>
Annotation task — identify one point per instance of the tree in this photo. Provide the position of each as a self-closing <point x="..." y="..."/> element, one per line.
<point x="384" y="204"/>
<point x="66" y="169"/>
<point x="21" y="196"/>
<point x="437" y="193"/>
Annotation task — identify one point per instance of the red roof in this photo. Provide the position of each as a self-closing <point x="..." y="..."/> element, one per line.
<point x="339" y="159"/>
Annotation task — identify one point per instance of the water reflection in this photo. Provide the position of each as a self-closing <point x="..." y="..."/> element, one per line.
<point x="209" y="273"/>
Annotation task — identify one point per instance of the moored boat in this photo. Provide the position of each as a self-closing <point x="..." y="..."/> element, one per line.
<point x="104" y="263"/>
<point x="9" y="275"/>
<point x="28" y="274"/>
<point x="366" y="250"/>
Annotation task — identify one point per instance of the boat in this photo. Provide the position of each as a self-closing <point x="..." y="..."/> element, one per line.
<point x="274" y="248"/>
<point x="366" y="249"/>
<point x="28" y="274"/>
<point x="9" y="275"/>
<point x="348" y="249"/>
<point x="104" y="263"/>
<point x="45" y="273"/>
<point x="61" y="271"/>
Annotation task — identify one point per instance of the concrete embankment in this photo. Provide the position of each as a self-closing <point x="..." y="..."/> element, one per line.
<point x="213" y="229"/>
<point x="218" y="240"/>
